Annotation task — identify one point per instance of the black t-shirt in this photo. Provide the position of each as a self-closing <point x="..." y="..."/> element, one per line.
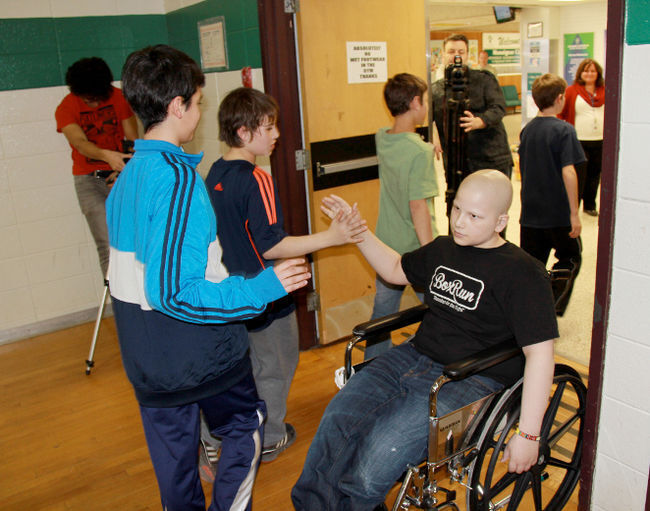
<point x="478" y="298"/>
<point x="547" y="145"/>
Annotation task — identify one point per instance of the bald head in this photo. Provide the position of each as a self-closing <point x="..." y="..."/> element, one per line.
<point x="494" y="187"/>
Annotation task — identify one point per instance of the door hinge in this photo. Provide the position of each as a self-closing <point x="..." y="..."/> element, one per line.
<point x="313" y="301"/>
<point x="302" y="159"/>
<point x="291" y="6"/>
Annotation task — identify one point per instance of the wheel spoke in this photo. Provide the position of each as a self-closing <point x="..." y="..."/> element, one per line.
<point x="562" y="430"/>
<point x="572" y="465"/>
<point x="551" y="411"/>
<point x="521" y="485"/>
<point x="536" y="482"/>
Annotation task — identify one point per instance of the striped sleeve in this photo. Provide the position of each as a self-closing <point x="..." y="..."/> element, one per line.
<point x="264" y="222"/>
<point x="176" y="257"/>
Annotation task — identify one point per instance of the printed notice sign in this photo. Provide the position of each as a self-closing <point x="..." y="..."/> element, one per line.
<point x="212" y="42"/>
<point x="367" y="62"/>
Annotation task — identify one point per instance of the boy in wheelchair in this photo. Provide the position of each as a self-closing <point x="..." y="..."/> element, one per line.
<point x="480" y="291"/>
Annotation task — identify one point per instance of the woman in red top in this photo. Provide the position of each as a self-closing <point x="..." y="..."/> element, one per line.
<point x="585" y="109"/>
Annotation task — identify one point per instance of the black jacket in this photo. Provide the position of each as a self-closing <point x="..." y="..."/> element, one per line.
<point x="488" y="147"/>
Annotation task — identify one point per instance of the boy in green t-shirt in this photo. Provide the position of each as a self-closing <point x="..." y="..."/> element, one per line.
<point x="407" y="183"/>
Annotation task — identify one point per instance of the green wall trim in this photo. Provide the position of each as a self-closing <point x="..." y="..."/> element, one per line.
<point x="637" y="22"/>
<point x="36" y="52"/>
<point x="242" y="30"/>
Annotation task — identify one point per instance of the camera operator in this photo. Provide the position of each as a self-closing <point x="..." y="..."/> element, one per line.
<point x="100" y="126"/>
<point x="486" y="143"/>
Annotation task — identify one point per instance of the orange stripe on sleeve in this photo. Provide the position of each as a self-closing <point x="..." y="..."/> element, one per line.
<point x="265" y="182"/>
<point x="264" y="195"/>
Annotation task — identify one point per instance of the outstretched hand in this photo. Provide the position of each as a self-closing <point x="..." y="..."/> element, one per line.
<point x="347" y="225"/>
<point x="333" y="204"/>
<point x="292" y="274"/>
<point x="521" y="454"/>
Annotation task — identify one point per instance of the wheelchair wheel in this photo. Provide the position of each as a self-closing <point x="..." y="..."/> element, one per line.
<point x="548" y="485"/>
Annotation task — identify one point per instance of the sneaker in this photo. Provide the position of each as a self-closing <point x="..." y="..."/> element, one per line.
<point x="208" y="460"/>
<point x="269" y="453"/>
<point x="591" y="212"/>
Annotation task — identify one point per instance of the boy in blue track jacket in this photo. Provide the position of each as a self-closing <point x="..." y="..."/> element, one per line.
<point x="177" y="311"/>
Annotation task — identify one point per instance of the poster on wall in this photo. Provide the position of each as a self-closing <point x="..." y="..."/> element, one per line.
<point x="535" y="63"/>
<point x="577" y="47"/>
<point x="212" y="42"/>
<point x="503" y="49"/>
<point x="437" y="59"/>
<point x="367" y="62"/>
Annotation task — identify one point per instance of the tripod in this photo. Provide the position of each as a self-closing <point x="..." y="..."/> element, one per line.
<point x="100" y="312"/>
<point x="456" y="102"/>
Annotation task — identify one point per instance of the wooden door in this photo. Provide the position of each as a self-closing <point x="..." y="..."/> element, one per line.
<point x="335" y="109"/>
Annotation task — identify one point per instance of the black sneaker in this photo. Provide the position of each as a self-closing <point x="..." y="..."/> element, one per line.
<point x="269" y="453"/>
<point x="591" y="212"/>
<point x="208" y="460"/>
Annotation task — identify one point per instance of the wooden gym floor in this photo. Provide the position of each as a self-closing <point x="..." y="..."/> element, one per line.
<point x="74" y="442"/>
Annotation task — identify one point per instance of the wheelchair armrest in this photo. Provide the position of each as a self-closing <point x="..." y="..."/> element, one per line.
<point x="389" y="323"/>
<point x="482" y="360"/>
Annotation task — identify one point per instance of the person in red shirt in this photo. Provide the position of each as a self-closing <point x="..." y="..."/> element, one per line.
<point x="96" y="120"/>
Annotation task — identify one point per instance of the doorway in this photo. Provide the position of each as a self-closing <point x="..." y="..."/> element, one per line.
<point x="281" y="73"/>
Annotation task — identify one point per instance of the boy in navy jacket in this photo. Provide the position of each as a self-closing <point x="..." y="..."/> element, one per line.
<point x="253" y="238"/>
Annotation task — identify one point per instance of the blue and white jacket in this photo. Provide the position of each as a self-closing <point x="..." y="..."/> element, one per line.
<point x="177" y="311"/>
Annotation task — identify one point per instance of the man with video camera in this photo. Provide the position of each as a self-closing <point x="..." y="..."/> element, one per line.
<point x="468" y="108"/>
<point x="100" y="128"/>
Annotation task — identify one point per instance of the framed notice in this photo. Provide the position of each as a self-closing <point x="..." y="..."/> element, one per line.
<point x="535" y="30"/>
<point x="212" y="42"/>
<point x="367" y="62"/>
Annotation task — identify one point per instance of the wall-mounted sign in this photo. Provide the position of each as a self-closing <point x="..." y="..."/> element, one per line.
<point x="577" y="47"/>
<point x="535" y="63"/>
<point x="502" y="47"/>
<point x="367" y="62"/>
<point x="212" y="41"/>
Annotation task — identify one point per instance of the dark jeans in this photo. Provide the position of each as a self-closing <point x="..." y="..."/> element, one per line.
<point x="568" y="251"/>
<point x="589" y="173"/>
<point x="374" y="428"/>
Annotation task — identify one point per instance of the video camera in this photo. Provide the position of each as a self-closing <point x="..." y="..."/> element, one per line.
<point x="457" y="76"/>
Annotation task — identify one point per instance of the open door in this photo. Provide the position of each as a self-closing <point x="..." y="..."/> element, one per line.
<point x="340" y="119"/>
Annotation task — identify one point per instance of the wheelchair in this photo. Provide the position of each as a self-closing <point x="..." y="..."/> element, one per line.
<point x="470" y="441"/>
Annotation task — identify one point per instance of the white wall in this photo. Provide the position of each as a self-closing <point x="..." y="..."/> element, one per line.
<point x="49" y="270"/>
<point x="623" y="450"/>
<point x="570" y="19"/>
<point x="584" y="17"/>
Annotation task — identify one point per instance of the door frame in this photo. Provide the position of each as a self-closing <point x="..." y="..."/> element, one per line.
<point x="280" y="72"/>
<point x="609" y="177"/>
<point x="279" y="64"/>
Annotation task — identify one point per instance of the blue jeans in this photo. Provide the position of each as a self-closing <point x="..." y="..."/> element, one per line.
<point x="374" y="428"/>
<point x="387" y="300"/>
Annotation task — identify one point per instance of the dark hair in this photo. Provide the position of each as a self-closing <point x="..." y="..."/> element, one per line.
<point x="456" y="37"/>
<point x="90" y="77"/>
<point x="600" y="81"/>
<point x="244" y="107"/>
<point x="153" y="76"/>
<point x="546" y="89"/>
<point x="400" y="90"/>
